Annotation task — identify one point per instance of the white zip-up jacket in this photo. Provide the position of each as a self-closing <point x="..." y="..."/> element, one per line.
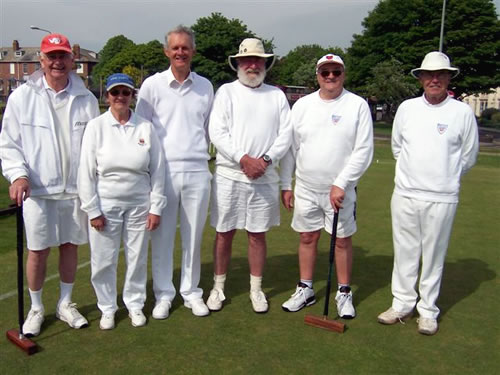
<point x="28" y="142"/>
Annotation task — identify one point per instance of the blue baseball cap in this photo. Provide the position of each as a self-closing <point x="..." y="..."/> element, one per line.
<point x="119" y="79"/>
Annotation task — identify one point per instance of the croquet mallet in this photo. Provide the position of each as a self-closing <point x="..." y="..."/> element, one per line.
<point x="16" y="336"/>
<point x="323" y="321"/>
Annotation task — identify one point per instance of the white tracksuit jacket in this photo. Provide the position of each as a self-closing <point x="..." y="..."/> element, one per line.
<point x="28" y="142"/>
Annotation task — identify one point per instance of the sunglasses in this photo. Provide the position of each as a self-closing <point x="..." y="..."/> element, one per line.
<point x="326" y="73"/>
<point x="124" y="92"/>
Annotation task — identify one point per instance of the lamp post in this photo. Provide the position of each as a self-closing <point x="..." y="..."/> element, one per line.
<point x="32" y="27"/>
<point x="442" y="27"/>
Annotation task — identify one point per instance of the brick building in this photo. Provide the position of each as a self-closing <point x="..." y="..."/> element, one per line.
<point x="17" y="63"/>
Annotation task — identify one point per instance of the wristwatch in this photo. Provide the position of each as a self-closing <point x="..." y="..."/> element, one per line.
<point x="267" y="159"/>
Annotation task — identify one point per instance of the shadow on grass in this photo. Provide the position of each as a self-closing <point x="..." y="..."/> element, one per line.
<point x="461" y="279"/>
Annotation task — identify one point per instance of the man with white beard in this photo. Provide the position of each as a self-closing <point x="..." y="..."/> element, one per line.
<point x="250" y="127"/>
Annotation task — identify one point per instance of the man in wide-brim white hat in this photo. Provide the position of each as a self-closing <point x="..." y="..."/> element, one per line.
<point x="250" y="127"/>
<point x="434" y="142"/>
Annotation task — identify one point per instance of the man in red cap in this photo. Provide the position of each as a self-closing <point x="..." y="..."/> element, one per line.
<point x="40" y="142"/>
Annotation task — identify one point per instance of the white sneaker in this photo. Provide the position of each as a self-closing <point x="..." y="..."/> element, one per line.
<point x="303" y="296"/>
<point x="33" y="323"/>
<point x="259" y="301"/>
<point x="197" y="306"/>
<point x="214" y="301"/>
<point x="107" y="322"/>
<point x="162" y="309"/>
<point x="68" y="313"/>
<point x="345" y="309"/>
<point x="427" y="326"/>
<point x="392" y="316"/>
<point x="137" y="317"/>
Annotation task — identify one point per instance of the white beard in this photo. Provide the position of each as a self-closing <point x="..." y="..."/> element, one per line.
<point x="251" y="82"/>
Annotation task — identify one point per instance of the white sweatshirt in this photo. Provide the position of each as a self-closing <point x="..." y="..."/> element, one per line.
<point x="249" y="121"/>
<point x="332" y="142"/>
<point x="122" y="164"/>
<point x="433" y="145"/>
<point x="180" y="117"/>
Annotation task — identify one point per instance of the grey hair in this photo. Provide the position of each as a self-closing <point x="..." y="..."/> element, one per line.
<point x="181" y="29"/>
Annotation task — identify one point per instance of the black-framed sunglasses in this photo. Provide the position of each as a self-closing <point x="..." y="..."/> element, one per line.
<point x="124" y="92"/>
<point x="326" y="73"/>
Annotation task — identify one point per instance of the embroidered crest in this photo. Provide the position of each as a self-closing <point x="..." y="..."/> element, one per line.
<point x="336" y="119"/>
<point x="141" y="142"/>
<point x="81" y="123"/>
<point x="55" y="40"/>
<point x="441" y="128"/>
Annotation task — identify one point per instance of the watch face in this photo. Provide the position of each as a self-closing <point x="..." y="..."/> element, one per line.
<point x="266" y="158"/>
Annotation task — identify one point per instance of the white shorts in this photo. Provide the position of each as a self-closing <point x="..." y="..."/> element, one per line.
<point x="313" y="211"/>
<point x="50" y="222"/>
<point x="240" y="205"/>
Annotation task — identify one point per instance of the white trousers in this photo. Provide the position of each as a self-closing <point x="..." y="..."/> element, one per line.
<point x="419" y="230"/>
<point x="187" y="198"/>
<point x="129" y="224"/>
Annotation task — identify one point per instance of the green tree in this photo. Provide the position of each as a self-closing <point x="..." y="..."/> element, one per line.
<point x="287" y="66"/>
<point x="134" y="73"/>
<point x="112" y="47"/>
<point x="406" y="30"/>
<point x="390" y="84"/>
<point x="217" y="37"/>
<point x="148" y="58"/>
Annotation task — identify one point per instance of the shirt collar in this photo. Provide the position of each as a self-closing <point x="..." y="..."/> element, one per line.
<point x="132" y="121"/>
<point x="47" y="87"/>
<point x="172" y="81"/>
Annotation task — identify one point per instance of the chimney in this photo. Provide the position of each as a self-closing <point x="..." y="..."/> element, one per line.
<point x="15" y="45"/>
<point x="76" y="51"/>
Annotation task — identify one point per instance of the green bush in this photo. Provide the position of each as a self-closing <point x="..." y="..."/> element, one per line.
<point x="488" y="113"/>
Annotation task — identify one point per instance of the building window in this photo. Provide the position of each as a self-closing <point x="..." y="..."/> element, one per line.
<point x="12" y="68"/>
<point x="79" y="68"/>
<point x="37" y="66"/>
<point x="25" y="68"/>
<point x="483" y="104"/>
<point x="19" y="53"/>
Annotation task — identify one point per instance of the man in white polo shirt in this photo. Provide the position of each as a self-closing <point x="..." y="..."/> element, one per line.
<point x="332" y="147"/>
<point x="434" y="142"/>
<point x="40" y="142"/>
<point x="177" y="102"/>
<point x="250" y="127"/>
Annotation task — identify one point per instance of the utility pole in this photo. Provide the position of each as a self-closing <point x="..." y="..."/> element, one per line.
<point x="442" y="27"/>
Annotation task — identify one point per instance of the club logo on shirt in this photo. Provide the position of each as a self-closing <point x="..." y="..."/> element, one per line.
<point x="141" y="142"/>
<point x="336" y="119"/>
<point x="441" y="128"/>
<point x="81" y="123"/>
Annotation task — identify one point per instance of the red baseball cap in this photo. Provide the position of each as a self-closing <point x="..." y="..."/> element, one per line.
<point x="55" y="42"/>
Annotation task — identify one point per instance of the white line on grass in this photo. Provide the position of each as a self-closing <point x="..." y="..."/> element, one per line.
<point x="51" y="277"/>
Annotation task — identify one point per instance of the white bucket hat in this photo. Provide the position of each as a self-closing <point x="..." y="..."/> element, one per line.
<point x="251" y="47"/>
<point x="435" y="61"/>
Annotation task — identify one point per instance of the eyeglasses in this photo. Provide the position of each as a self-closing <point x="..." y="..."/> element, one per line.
<point x="326" y="73"/>
<point x="116" y="92"/>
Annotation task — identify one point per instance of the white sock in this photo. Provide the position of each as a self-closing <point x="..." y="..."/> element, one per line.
<point x="219" y="281"/>
<point x="309" y="283"/>
<point x="66" y="291"/>
<point x="255" y="283"/>
<point x="36" y="299"/>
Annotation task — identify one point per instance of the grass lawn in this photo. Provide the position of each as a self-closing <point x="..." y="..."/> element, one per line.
<point x="238" y="341"/>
